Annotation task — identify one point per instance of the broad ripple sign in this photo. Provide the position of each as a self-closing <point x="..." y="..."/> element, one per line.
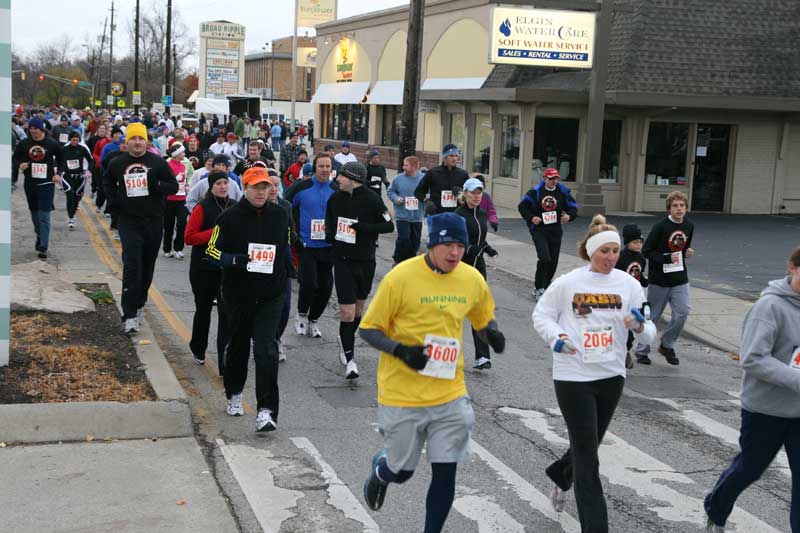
<point x="540" y="37"/>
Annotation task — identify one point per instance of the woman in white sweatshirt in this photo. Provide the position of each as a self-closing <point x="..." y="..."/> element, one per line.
<point x="584" y="316"/>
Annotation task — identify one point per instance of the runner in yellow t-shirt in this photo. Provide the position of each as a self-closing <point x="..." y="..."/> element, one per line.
<point x="416" y="321"/>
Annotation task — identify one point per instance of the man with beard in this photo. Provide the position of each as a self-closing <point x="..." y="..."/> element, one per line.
<point x="39" y="158"/>
<point x="137" y="184"/>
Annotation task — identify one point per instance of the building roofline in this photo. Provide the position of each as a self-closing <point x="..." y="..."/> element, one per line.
<point x="267" y="55"/>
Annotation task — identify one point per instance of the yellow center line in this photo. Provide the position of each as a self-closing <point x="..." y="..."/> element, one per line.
<point x="163" y="307"/>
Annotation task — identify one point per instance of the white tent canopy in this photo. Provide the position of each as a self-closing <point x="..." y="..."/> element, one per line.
<point x="212" y="106"/>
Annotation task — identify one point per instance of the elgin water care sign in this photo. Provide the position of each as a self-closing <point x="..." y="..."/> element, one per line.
<point x="540" y="37"/>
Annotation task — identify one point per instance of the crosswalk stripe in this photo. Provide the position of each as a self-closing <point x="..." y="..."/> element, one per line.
<point x="625" y="465"/>
<point x="489" y="516"/>
<point x="252" y="469"/>
<point x="340" y="495"/>
<point x="525" y="491"/>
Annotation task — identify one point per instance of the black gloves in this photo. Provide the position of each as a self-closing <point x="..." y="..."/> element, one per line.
<point x="430" y="208"/>
<point x="354" y="226"/>
<point x="494" y="226"/>
<point x="496" y="340"/>
<point x="413" y="356"/>
<point x="237" y="261"/>
<point x="491" y="252"/>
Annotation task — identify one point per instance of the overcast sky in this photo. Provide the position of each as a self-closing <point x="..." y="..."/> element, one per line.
<point x="264" y="19"/>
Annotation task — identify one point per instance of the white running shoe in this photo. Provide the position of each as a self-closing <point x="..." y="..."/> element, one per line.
<point x="131" y="326"/>
<point x="97" y="210"/>
<point x="169" y="254"/>
<point x="116" y="235"/>
<point x="352" y="370"/>
<point x="482" y="363"/>
<point x="558" y="499"/>
<point x="235" y="405"/>
<point x="300" y="325"/>
<point x="264" y="421"/>
<point x="313" y="330"/>
<point x="198" y="361"/>
<point x="178" y="255"/>
<point x="281" y="352"/>
<point x="711" y="527"/>
<point x="107" y="216"/>
<point x="71" y="223"/>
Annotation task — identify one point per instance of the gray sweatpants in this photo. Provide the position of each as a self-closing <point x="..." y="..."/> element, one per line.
<point x="678" y="299"/>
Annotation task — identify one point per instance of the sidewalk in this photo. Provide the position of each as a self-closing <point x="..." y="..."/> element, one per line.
<point x="99" y="466"/>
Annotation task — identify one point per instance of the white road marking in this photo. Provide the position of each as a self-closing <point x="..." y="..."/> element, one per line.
<point x="736" y="394"/>
<point x="625" y="465"/>
<point x="252" y="469"/>
<point x="525" y="490"/>
<point x="490" y="517"/>
<point x="339" y="494"/>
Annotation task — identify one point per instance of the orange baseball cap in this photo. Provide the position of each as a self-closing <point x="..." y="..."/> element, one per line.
<point x="255" y="175"/>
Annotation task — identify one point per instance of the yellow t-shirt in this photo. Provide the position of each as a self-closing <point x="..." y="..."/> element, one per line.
<point x="413" y="301"/>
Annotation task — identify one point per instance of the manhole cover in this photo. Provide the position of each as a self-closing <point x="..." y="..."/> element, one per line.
<point x="358" y="396"/>
<point x="673" y="387"/>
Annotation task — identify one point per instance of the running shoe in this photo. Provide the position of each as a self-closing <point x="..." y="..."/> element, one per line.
<point x="71" y="223"/>
<point x="235" y="405"/>
<point x="264" y="421"/>
<point x="300" y="325"/>
<point x="711" y="527"/>
<point x="643" y="359"/>
<point x="178" y="255"/>
<point x="558" y="499"/>
<point x="482" y="363"/>
<point x="131" y="326"/>
<point x="97" y="210"/>
<point x="199" y="361"/>
<point x="116" y="235"/>
<point x="169" y="254"/>
<point x="313" y="330"/>
<point x="669" y="355"/>
<point x="281" y="352"/>
<point x="42" y="255"/>
<point x="352" y="370"/>
<point x="107" y="215"/>
<point x="374" y="488"/>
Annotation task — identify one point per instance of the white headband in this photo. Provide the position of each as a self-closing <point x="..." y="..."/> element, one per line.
<point x="598" y="240"/>
<point x="180" y="150"/>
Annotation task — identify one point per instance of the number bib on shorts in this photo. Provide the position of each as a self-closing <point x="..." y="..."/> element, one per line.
<point x="448" y="199"/>
<point x="317" y="229"/>
<point x="794" y="362"/>
<point x="412" y="204"/>
<point x="674" y="267"/>
<point x="261" y="258"/>
<point x="39" y="170"/>
<point x="598" y="344"/>
<point x="549" y="217"/>
<point x="344" y="232"/>
<point x="442" y="355"/>
<point x="136" y="185"/>
<point x="73" y="164"/>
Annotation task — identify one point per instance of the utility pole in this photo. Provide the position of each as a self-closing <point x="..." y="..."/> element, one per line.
<point x="136" y="56"/>
<point x="99" y="69"/>
<point x="174" y="68"/>
<point x="408" y="117"/>
<point x="111" y="50"/>
<point x="167" y="55"/>
<point x="294" y="65"/>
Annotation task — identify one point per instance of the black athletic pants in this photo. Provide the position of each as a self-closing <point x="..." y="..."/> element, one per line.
<point x="140" y="239"/>
<point x="206" y="286"/>
<point x="74" y="191"/>
<point x="174" y="222"/>
<point x="481" y="347"/>
<point x="587" y="407"/>
<point x="316" y="283"/>
<point x="548" y="247"/>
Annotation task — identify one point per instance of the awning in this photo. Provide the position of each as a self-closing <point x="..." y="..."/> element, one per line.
<point x="341" y="93"/>
<point x="193" y="97"/>
<point x="386" y="93"/>
<point x="439" y="84"/>
<point x="212" y="106"/>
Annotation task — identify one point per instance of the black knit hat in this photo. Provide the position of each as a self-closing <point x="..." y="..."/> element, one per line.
<point x="631" y="232"/>
<point x="355" y="171"/>
<point x="214" y="176"/>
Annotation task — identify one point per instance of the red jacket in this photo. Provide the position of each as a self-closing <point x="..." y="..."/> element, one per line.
<point x="193" y="235"/>
<point x="98" y="150"/>
<point x="292" y="174"/>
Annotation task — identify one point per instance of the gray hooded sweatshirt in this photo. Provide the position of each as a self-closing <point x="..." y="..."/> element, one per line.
<point x="770" y="342"/>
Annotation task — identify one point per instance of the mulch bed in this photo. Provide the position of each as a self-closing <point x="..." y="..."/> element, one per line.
<point x="83" y="357"/>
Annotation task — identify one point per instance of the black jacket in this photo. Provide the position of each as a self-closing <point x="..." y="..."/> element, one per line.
<point x="160" y="183"/>
<point x="373" y="218"/>
<point x="237" y="228"/>
<point x="376" y="176"/>
<point x="74" y="156"/>
<point x="634" y="264"/>
<point x="539" y="201"/>
<point x="477" y="223"/>
<point x="440" y="179"/>
<point x="47" y="152"/>
<point x="664" y="239"/>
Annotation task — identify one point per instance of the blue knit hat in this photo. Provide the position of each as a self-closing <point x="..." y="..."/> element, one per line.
<point x="308" y="169"/>
<point x="445" y="228"/>
<point x="36" y="122"/>
<point x="450" y="149"/>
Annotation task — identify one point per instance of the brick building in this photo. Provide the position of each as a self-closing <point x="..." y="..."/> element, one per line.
<point x="262" y="68"/>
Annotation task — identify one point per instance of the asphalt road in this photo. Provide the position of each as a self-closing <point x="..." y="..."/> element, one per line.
<point x="734" y="254"/>
<point x="672" y="435"/>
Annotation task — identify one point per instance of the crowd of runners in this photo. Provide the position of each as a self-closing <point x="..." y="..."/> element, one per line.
<point x="260" y="208"/>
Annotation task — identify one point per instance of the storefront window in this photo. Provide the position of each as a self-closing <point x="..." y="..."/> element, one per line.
<point x="666" y="153"/>
<point x="391" y="125"/>
<point x="609" y="152"/>
<point x="483" y="143"/>
<point x="509" y="143"/>
<point x="555" y="144"/>
<point x="345" y="122"/>
<point x="457" y="134"/>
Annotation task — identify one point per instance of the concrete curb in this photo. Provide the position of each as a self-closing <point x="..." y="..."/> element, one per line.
<point x="65" y="422"/>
